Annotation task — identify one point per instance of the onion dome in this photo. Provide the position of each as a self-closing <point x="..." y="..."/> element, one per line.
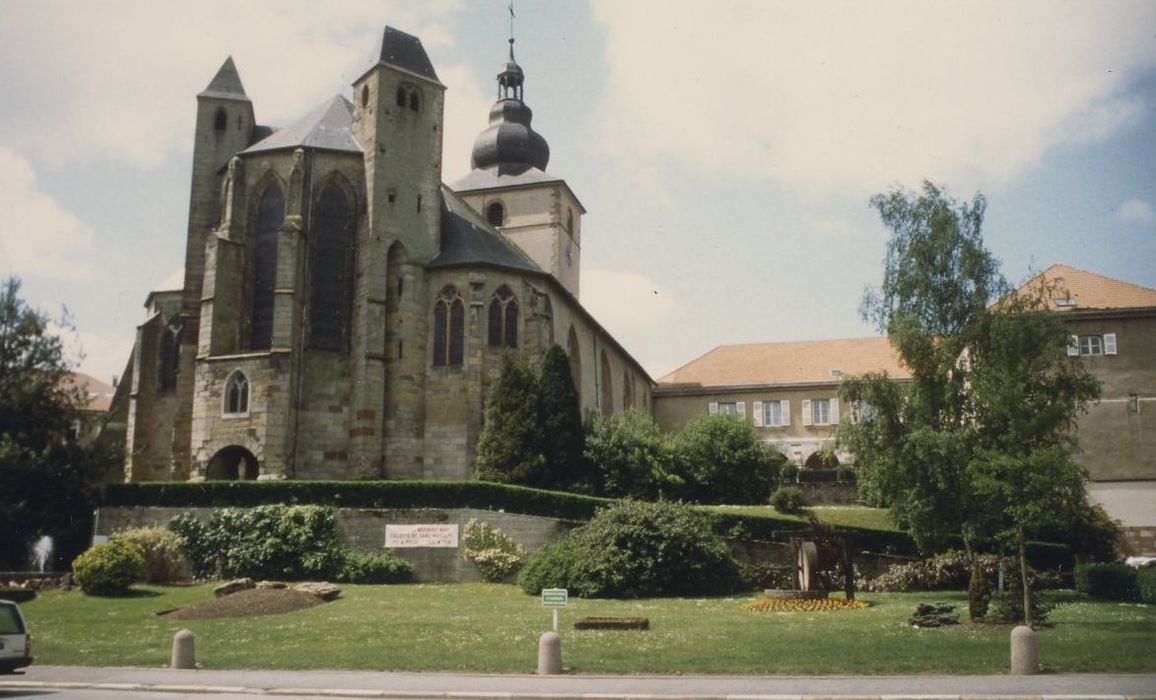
<point x="509" y="140"/>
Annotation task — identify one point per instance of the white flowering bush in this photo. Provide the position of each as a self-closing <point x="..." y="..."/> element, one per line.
<point x="494" y="552"/>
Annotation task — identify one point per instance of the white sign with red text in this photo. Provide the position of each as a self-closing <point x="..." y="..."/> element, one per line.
<point x="406" y="536"/>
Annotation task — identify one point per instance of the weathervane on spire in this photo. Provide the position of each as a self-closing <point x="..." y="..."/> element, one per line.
<point x="511" y="77"/>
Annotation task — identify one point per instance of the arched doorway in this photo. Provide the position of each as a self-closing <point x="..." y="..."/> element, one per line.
<point x="232" y="463"/>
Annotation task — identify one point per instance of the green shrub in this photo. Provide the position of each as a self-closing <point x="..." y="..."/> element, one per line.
<point x="950" y="570"/>
<point x="1114" y="581"/>
<point x="552" y="565"/>
<point x="764" y="575"/>
<point x="720" y="459"/>
<point x="359" y="566"/>
<point x="978" y="593"/>
<point x="631" y="456"/>
<point x="788" y="499"/>
<point x="165" y="562"/>
<point x="789" y="474"/>
<point x="1146" y="584"/>
<point x="634" y="549"/>
<point x="109" y="569"/>
<point x="274" y="542"/>
<point x="1007" y="607"/>
<point x="494" y="552"/>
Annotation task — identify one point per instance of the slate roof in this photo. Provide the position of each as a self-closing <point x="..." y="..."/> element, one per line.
<point x="1082" y="290"/>
<point x="802" y="362"/>
<point x="329" y="127"/>
<point x="502" y="176"/>
<point x="406" y="52"/>
<point x="467" y="239"/>
<point x="226" y="83"/>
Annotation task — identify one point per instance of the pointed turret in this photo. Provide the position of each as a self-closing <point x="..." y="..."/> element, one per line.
<point x="226" y="84"/>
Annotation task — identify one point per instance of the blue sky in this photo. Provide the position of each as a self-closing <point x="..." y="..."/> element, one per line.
<point x="725" y="151"/>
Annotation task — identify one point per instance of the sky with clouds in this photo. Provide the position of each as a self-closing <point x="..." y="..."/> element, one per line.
<point x="725" y="150"/>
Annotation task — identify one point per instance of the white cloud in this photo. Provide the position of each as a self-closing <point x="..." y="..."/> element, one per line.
<point x="115" y="80"/>
<point x="1136" y="211"/>
<point x="852" y="97"/>
<point x="39" y="239"/>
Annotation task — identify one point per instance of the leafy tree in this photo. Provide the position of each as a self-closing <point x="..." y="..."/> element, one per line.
<point x="915" y="449"/>
<point x="720" y="459"/>
<point x="563" y="436"/>
<point x="980" y="441"/>
<point x="631" y="456"/>
<point x="510" y="446"/>
<point x="45" y="482"/>
<point x="1028" y="395"/>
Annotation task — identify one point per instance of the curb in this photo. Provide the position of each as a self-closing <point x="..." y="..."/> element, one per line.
<point x="460" y="695"/>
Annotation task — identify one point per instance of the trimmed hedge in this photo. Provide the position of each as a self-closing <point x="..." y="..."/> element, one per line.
<point x="357" y="494"/>
<point x="454" y="494"/>
<point x="1146" y="582"/>
<point x="1112" y="581"/>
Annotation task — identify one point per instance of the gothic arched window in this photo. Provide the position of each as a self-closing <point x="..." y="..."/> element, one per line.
<point x="330" y="270"/>
<point x="170" y="356"/>
<point x="401" y="97"/>
<point x="270" y="213"/>
<point x="503" y="320"/>
<point x="414" y="101"/>
<point x="220" y="120"/>
<point x="607" y="387"/>
<point x="236" y="394"/>
<point x="449" y="329"/>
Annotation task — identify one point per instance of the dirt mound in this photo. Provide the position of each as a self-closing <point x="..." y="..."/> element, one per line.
<point x="250" y="603"/>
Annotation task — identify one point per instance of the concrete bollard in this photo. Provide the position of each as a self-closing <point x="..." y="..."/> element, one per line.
<point x="1025" y="660"/>
<point x="183" y="654"/>
<point x="549" y="654"/>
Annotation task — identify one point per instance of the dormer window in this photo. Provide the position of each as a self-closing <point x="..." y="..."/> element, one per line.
<point x="496" y="214"/>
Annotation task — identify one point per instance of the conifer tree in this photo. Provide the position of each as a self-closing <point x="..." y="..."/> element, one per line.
<point x="510" y="445"/>
<point x="563" y="436"/>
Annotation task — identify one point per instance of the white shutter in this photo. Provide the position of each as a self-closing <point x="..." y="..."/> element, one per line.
<point x="1074" y="346"/>
<point x="806" y="412"/>
<point x="741" y="408"/>
<point x="712" y="408"/>
<point x="834" y="411"/>
<point x="1109" y="343"/>
<point x="785" y="412"/>
<point x="757" y="407"/>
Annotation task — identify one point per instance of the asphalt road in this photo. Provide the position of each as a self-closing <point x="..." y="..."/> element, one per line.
<point x="66" y="682"/>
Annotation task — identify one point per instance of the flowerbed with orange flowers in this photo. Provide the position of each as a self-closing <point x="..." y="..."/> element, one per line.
<point x="801" y="605"/>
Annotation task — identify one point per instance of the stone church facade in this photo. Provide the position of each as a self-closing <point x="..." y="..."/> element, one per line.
<point x="344" y="311"/>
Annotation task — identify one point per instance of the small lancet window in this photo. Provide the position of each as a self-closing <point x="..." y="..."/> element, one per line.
<point x="170" y="356"/>
<point x="221" y="120"/>
<point x="496" y="214"/>
<point x="503" y="319"/>
<point x="236" y="394"/>
<point x="414" y="101"/>
<point x="365" y="96"/>
<point x="401" y="97"/>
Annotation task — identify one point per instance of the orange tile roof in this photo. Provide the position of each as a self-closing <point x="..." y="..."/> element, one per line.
<point x="99" y="394"/>
<point x="800" y="362"/>
<point x="1080" y="289"/>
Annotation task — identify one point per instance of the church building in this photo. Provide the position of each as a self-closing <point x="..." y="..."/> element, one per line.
<point x="344" y="311"/>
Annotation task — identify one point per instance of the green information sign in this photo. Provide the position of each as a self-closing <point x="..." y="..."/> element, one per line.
<point x="554" y="597"/>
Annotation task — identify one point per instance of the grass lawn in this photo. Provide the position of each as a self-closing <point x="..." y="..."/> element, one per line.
<point x="486" y="627"/>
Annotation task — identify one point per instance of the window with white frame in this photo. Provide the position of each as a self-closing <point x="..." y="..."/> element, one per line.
<point x="820" y="411"/>
<point x="1092" y="345"/>
<point x="727" y="408"/>
<point x="772" y="414"/>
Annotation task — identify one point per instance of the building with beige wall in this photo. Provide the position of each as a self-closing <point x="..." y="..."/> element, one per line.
<point x="789" y="391"/>
<point x="344" y="312"/>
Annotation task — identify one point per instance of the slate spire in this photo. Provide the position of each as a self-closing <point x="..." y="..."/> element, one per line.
<point x="226" y="84"/>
